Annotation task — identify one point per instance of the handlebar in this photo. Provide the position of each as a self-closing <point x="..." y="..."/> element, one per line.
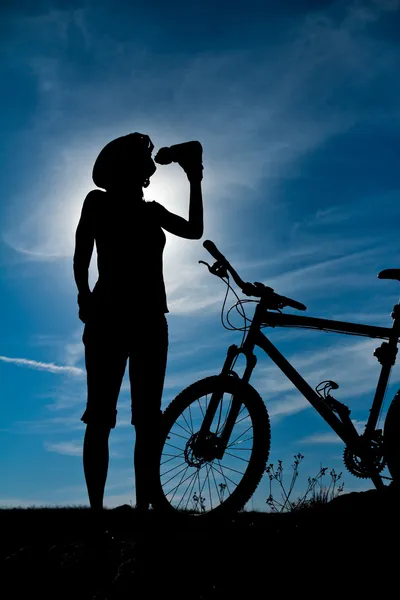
<point x="215" y="253"/>
<point x="256" y="289"/>
<point x="213" y="250"/>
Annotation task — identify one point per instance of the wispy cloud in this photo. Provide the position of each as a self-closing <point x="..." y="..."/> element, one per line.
<point x="352" y="365"/>
<point x="72" y="448"/>
<point x="321" y="438"/>
<point x="51" y="425"/>
<point x="331" y="437"/>
<point x="288" y="404"/>
<point x="328" y="272"/>
<point x="74" y="351"/>
<point x="328" y="216"/>
<point x="42" y="366"/>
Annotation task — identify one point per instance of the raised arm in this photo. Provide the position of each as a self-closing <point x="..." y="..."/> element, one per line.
<point x="192" y="228"/>
<point x="84" y="243"/>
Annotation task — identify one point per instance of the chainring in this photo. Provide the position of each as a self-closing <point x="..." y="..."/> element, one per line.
<point x="362" y="468"/>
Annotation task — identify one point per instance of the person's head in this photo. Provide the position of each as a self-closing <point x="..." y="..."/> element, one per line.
<point x="125" y="163"/>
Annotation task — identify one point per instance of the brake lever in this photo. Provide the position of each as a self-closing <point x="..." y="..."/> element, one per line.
<point x="255" y="289"/>
<point x="218" y="268"/>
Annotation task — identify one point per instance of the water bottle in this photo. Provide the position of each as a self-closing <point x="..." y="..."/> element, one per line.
<point x="187" y="153"/>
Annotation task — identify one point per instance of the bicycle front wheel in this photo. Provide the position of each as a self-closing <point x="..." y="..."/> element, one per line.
<point x="201" y="483"/>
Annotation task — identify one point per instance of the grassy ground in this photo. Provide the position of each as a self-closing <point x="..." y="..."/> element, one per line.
<point x="346" y="547"/>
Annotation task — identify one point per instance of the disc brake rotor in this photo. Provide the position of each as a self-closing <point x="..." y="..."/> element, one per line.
<point x="196" y="455"/>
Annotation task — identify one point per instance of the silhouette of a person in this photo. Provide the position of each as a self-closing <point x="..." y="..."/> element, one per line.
<point x="124" y="314"/>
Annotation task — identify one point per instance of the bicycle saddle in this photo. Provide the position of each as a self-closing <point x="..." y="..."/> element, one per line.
<point x="389" y="274"/>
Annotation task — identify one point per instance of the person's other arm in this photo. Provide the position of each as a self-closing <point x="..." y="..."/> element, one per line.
<point x="193" y="227"/>
<point x="84" y="244"/>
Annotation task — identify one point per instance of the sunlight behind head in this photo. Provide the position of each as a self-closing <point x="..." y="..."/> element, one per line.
<point x="48" y="233"/>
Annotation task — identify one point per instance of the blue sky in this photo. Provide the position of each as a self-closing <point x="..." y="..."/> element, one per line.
<point x="297" y="108"/>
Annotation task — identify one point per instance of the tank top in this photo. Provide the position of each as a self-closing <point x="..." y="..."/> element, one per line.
<point x="130" y="244"/>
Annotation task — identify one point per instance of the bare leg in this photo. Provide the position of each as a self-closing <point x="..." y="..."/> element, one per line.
<point x="146" y="461"/>
<point x="95" y="463"/>
<point x="141" y="481"/>
<point x="147" y="366"/>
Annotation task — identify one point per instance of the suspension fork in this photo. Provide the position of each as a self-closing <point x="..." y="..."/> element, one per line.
<point x="216" y="397"/>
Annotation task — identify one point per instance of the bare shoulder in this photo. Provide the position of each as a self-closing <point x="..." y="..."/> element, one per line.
<point x="93" y="199"/>
<point x="155" y="209"/>
<point x="95" y="196"/>
<point x="153" y="205"/>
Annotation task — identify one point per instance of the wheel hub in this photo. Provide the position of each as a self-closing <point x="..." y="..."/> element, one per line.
<point x="199" y="452"/>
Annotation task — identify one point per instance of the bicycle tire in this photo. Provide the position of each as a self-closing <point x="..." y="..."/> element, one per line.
<point x="260" y="447"/>
<point x="391" y="439"/>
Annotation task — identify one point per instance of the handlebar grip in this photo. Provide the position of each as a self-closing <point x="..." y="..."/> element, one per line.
<point x="294" y="303"/>
<point x="213" y="250"/>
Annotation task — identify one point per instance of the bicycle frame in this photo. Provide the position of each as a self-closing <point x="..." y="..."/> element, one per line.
<point x="341" y="425"/>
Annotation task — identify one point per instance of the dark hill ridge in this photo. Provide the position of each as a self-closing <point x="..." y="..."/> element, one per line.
<point x="349" y="546"/>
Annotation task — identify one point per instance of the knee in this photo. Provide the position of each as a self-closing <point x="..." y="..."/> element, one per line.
<point x="99" y="418"/>
<point x="97" y="430"/>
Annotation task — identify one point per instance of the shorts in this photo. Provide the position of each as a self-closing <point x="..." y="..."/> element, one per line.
<point x="108" y="346"/>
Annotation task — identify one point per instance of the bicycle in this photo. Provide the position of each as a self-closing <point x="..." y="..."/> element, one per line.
<point x="222" y="418"/>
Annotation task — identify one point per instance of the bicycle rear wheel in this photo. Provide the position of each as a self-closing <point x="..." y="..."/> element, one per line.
<point x="205" y="485"/>
<point x="391" y="439"/>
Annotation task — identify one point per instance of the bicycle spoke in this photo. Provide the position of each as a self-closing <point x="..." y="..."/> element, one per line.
<point x="215" y="482"/>
<point x="238" y="457"/>
<point x="242" y="442"/>
<point x="181" y="426"/>
<point x="242" y="419"/>
<point x="230" y="469"/>
<point x="220" y="411"/>
<point x="173" y="455"/>
<point x="191" y="490"/>
<point x="171" y="478"/>
<point x="201" y="408"/>
<point x="236" y="422"/>
<point x="209" y="487"/>
<point x="193" y="478"/>
<point x="205" y="480"/>
<point x="244" y="432"/>
<point x="224" y="476"/>
<point x="200" y="490"/>
<point x="177" y="435"/>
<point x="164" y="462"/>
<point x="181" y="481"/>
<point x="242" y="409"/>
<point x="226" y="415"/>
<point x="190" y="414"/>
<point x="184" y="418"/>
<point x="172" y="469"/>
<point x="172" y="446"/>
